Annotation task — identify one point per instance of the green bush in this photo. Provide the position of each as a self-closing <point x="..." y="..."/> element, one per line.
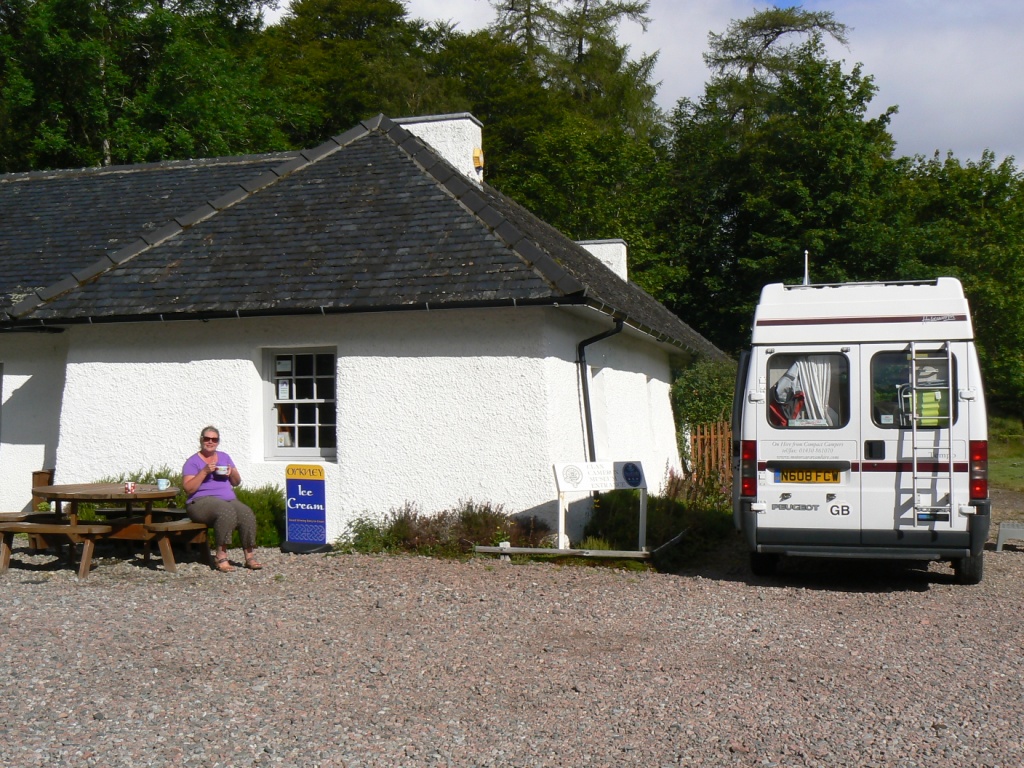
<point x="268" y="504"/>
<point x="449" y="533"/>
<point x="699" y="510"/>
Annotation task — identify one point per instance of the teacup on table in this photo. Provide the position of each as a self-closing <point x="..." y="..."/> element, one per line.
<point x="162" y="483"/>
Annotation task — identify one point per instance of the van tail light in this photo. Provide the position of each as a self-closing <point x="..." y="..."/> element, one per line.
<point x="748" y="468"/>
<point x="979" y="469"/>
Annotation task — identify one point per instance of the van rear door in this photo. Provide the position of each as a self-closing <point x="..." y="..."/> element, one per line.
<point x="808" y="435"/>
<point x="915" y="443"/>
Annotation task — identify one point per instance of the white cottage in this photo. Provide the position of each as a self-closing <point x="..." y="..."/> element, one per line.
<point x="369" y="306"/>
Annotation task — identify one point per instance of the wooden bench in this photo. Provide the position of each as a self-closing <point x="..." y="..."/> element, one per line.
<point x="183" y="531"/>
<point x="86" y="533"/>
<point x="35" y="541"/>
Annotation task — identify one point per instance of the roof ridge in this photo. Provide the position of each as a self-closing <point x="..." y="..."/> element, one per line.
<point x="37" y="298"/>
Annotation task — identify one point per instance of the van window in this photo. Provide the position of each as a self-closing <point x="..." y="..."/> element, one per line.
<point x="891" y="402"/>
<point x="808" y="391"/>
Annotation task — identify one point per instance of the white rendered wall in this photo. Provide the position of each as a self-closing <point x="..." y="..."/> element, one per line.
<point x="434" y="408"/>
<point x="612" y="253"/>
<point x="453" y="137"/>
<point x="33" y="383"/>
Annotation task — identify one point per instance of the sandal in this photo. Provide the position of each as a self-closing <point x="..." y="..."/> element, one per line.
<point x="224" y="565"/>
<point x="252" y="564"/>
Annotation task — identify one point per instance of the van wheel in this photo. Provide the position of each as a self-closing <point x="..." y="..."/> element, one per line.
<point x="969" y="569"/>
<point x="763" y="563"/>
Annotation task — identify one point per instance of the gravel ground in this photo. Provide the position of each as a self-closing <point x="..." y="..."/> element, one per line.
<point x="405" y="661"/>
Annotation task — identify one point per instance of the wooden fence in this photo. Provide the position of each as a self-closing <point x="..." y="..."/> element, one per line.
<point x="711" y="449"/>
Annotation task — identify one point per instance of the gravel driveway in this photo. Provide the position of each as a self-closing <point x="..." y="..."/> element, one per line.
<point x="403" y="661"/>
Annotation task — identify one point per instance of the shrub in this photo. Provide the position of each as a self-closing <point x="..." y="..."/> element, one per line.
<point x="449" y="533"/>
<point x="701" y="510"/>
<point x="268" y="504"/>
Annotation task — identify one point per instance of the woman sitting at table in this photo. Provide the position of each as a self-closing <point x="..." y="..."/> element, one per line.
<point x="210" y="477"/>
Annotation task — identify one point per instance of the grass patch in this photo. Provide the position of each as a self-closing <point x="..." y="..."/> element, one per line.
<point x="1006" y="453"/>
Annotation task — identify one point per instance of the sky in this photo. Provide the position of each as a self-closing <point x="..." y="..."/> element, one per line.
<point x="955" y="68"/>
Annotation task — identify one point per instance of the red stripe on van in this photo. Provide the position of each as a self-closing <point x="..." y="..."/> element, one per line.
<point x="907" y="466"/>
<point x="861" y="320"/>
<point x="894" y="466"/>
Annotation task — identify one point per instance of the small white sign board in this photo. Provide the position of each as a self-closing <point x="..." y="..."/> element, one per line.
<point x="600" y="476"/>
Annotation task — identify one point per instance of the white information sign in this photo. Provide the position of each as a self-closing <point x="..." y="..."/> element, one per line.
<point x="599" y="476"/>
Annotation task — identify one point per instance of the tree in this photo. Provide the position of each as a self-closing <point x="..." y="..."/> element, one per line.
<point x="967" y="220"/>
<point x="337" y="62"/>
<point x="573" y="45"/>
<point x="777" y="158"/>
<point x="87" y="82"/>
<point x="593" y="181"/>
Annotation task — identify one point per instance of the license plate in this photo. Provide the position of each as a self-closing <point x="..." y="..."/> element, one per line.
<point x="808" y="475"/>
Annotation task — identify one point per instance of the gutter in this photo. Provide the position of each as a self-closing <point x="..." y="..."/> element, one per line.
<point x="581" y="359"/>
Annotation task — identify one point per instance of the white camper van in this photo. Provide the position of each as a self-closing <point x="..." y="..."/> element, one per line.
<point x="859" y="426"/>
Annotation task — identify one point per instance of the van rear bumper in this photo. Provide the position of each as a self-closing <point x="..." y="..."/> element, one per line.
<point x="903" y="544"/>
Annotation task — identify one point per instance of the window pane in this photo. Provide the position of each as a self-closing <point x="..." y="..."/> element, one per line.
<point x="328" y="414"/>
<point x="303" y="389"/>
<point x="809" y="391"/>
<point x="285" y="413"/>
<point x="891" y="403"/>
<point x="328" y="437"/>
<point x="325" y="365"/>
<point x="325" y="389"/>
<point x="307" y="414"/>
<point x="303" y="365"/>
<point x="285" y="437"/>
<point x="307" y="437"/>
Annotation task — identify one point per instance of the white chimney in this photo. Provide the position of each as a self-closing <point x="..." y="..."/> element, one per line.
<point x="457" y="138"/>
<point x="611" y="252"/>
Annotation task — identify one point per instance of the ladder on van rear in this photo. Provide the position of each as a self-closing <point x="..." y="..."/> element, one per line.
<point x="928" y="405"/>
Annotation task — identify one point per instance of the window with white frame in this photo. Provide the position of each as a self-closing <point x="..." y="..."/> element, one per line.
<point x="303" y="412"/>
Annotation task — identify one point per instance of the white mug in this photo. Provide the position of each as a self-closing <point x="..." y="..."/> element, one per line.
<point x="162" y="483"/>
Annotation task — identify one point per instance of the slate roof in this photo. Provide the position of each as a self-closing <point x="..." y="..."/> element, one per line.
<point x="372" y="220"/>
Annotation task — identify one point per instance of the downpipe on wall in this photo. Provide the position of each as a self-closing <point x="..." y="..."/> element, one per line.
<point x="581" y="359"/>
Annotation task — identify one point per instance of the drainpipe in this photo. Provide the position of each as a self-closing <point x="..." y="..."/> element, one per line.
<point x="581" y="358"/>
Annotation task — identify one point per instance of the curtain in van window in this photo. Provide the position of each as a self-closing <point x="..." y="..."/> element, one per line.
<point x="815" y="376"/>
<point x="804" y="391"/>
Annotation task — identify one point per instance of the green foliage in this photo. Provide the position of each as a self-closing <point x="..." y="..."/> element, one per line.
<point x="592" y="182"/>
<point x="699" y="510"/>
<point x="702" y="393"/>
<point x="86" y="83"/>
<point x="769" y="166"/>
<point x="268" y="504"/>
<point x="449" y="533"/>
<point x="967" y="220"/>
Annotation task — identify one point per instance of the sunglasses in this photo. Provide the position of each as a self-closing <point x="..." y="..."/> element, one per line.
<point x="207" y="439"/>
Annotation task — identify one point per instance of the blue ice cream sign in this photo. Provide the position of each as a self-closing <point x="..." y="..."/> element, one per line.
<point x="305" y="508"/>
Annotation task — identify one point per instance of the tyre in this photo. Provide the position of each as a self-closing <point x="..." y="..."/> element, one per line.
<point x="969" y="569"/>
<point x="763" y="563"/>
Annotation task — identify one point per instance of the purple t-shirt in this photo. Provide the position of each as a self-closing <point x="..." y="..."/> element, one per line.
<point x="212" y="485"/>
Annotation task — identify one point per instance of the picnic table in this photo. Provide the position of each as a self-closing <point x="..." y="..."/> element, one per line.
<point x="125" y="517"/>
